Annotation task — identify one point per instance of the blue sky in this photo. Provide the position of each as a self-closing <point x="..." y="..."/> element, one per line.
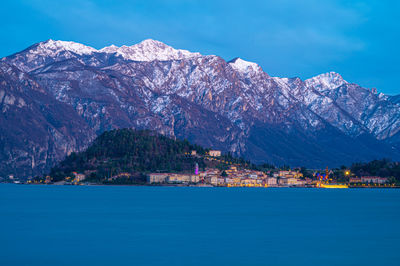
<point x="358" y="39"/>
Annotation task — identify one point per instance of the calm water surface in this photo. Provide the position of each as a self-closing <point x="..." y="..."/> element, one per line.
<point x="81" y="225"/>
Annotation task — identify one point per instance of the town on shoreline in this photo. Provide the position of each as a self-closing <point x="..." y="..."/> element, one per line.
<point x="234" y="176"/>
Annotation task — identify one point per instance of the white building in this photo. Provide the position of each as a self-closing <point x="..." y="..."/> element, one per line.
<point x="215" y="153"/>
<point x="272" y="181"/>
<point x="374" y="179"/>
<point x="156" y="178"/>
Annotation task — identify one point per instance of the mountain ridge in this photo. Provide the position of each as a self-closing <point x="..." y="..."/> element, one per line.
<point x="233" y="106"/>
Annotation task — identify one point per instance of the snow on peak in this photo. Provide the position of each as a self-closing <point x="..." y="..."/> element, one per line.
<point x="109" y="49"/>
<point x="326" y="81"/>
<point x="52" y="46"/>
<point x="149" y="50"/>
<point x="244" y="66"/>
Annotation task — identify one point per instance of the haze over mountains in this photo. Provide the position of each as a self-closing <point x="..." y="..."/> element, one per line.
<point x="57" y="96"/>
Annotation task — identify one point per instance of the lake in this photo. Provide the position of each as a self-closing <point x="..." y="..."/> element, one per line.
<point x="128" y="225"/>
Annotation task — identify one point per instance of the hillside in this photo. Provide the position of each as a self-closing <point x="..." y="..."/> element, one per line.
<point x="134" y="152"/>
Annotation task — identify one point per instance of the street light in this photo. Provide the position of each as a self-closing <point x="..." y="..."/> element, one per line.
<point x="347" y="172"/>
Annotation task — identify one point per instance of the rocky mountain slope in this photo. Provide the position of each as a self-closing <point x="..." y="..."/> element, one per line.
<point x="234" y="106"/>
<point x="36" y="130"/>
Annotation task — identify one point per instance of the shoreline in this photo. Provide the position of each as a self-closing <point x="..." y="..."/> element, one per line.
<point x="199" y="186"/>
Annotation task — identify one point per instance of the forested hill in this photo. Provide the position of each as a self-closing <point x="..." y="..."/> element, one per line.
<point x="131" y="151"/>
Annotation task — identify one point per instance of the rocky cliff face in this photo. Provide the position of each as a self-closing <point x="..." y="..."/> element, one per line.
<point x="234" y="106"/>
<point x="36" y="130"/>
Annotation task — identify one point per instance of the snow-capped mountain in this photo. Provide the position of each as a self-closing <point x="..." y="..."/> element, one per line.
<point x="326" y="81"/>
<point x="234" y="106"/>
<point x="243" y="66"/>
<point x="149" y="50"/>
<point x="50" y="51"/>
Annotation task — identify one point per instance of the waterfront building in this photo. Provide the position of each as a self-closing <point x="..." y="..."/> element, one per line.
<point x="221" y="181"/>
<point x="214" y="180"/>
<point x="178" y="178"/>
<point x="156" y="178"/>
<point x="229" y="180"/>
<point x="194" y="179"/>
<point x="236" y="180"/>
<point x="272" y="181"/>
<point x="248" y="181"/>
<point x="374" y="179"/>
<point x="291" y="181"/>
<point x="355" y="180"/>
<point x="78" y="177"/>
